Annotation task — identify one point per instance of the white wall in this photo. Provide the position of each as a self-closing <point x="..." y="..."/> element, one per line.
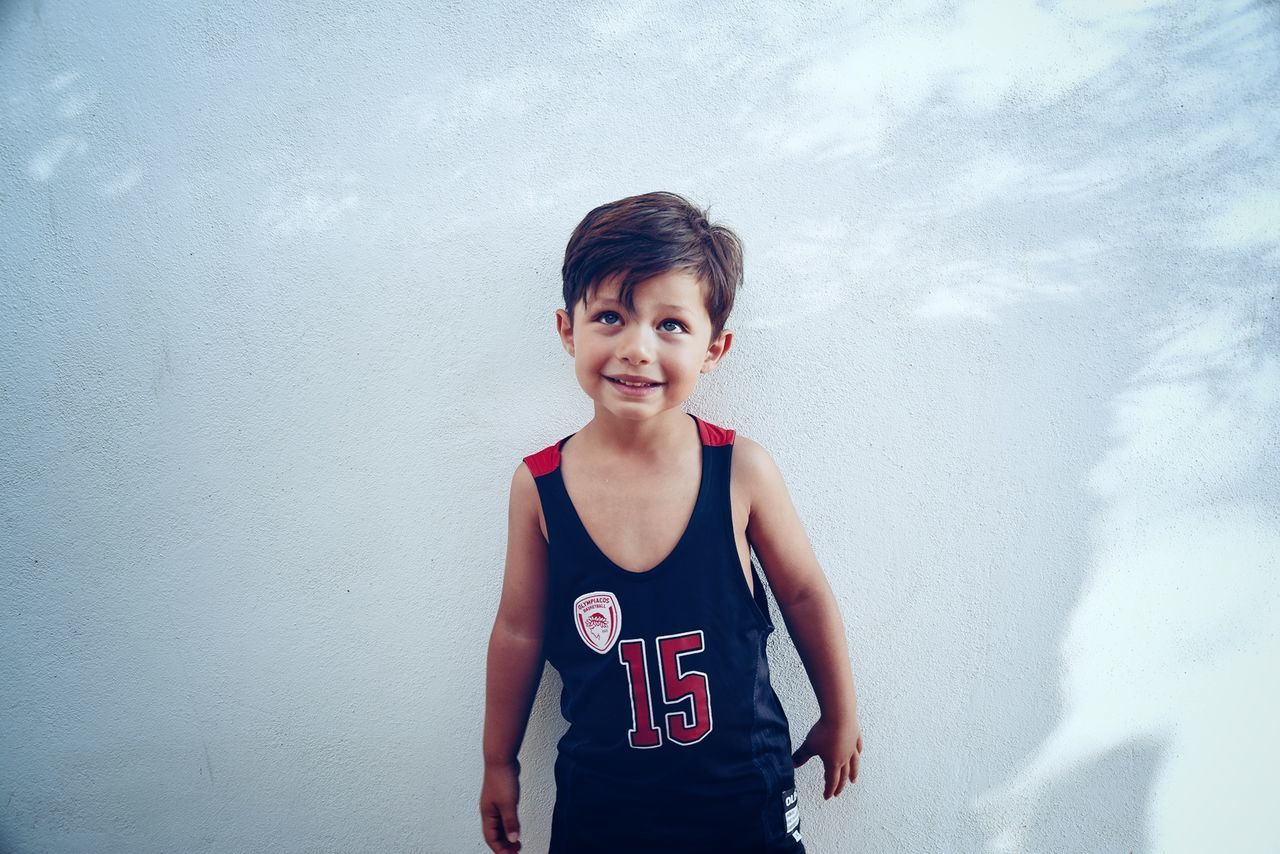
<point x="277" y="326"/>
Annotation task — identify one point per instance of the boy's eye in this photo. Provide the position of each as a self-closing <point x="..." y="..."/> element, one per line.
<point x="608" y="318"/>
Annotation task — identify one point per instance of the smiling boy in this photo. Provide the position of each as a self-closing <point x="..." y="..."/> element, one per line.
<point x="629" y="568"/>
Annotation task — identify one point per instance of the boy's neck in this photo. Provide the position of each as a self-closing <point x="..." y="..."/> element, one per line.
<point x="654" y="437"/>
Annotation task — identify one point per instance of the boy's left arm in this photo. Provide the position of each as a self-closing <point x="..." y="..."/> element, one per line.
<point x="810" y="611"/>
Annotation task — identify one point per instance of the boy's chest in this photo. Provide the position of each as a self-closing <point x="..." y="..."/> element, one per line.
<point x="636" y="521"/>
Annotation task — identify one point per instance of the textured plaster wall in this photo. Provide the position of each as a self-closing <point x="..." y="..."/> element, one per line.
<point x="277" y="291"/>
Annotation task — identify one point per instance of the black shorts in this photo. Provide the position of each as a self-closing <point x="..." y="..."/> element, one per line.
<point x="592" y="818"/>
<point x="560" y="846"/>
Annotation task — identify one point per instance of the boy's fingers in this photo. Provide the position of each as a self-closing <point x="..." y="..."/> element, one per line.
<point x="831" y="777"/>
<point x="511" y="824"/>
<point x="498" y="830"/>
<point x="801" y="756"/>
<point x="844" y="778"/>
<point x="493" y="832"/>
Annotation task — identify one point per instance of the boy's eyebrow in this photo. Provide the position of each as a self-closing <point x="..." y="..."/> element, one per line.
<point x="612" y="301"/>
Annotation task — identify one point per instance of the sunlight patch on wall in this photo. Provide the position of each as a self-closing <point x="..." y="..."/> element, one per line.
<point x="990" y="54"/>
<point x="1251" y="220"/>
<point x="122" y="183"/>
<point x="46" y="161"/>
<point x="978" y="290"/>
<point x="312" y="202"/>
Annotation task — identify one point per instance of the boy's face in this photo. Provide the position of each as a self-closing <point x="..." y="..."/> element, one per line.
<point x="667" y="342"/>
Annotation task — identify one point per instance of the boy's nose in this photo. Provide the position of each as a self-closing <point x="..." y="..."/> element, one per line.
<point x="635" y="345"/>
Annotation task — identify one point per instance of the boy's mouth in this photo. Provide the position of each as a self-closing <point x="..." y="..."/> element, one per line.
<point x="632" y="383"/>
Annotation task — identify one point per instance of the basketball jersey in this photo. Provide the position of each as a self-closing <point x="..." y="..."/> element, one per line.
<point x="676" y="739"/>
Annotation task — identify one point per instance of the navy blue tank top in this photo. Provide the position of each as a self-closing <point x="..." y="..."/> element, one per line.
<point x="674" y="728"/>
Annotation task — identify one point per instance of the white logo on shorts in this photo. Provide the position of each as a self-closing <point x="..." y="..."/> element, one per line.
<point x="791" y="812"/>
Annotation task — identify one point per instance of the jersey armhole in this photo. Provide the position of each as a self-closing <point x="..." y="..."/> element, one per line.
<point x="756" y="593"/>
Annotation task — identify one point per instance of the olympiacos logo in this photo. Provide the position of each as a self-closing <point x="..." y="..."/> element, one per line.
<point x="599" y="619"/>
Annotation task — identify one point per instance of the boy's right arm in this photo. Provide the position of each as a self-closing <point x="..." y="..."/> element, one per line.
<point x="515" y="663"/>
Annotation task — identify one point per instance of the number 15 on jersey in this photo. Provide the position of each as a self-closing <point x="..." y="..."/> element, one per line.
<point x="685" y="726"/>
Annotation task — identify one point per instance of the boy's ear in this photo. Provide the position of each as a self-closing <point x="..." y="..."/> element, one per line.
<point x="564" y="328"/>
<point x="716" y="351"/>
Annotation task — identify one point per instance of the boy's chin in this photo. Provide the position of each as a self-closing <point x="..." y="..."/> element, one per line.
<point x="625" y="409"/>
<point x="644" y="411"/>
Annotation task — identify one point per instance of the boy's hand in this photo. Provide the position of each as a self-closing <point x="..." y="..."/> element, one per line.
<point x="839" y="744"/>
<point x="498" y="797"/>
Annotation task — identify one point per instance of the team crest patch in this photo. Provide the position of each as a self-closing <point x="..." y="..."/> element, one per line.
<point x="599" y="619"/>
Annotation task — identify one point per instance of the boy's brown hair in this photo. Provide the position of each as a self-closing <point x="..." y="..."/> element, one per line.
<point x="644" y="236"/>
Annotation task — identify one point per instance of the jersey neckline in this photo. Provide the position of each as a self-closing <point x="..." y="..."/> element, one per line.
<point x="684" y="535"/>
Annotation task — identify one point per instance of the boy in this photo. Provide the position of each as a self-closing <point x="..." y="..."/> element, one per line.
<point x="676" y="740"/>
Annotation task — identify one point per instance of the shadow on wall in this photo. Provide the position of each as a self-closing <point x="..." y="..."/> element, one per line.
<point x="1101" y="799"/>
<point x="1177" y="623"/>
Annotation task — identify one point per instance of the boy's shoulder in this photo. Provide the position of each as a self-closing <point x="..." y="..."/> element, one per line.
<point x="545" y="461"/>
<point x="755" y="477"/>
<point x="715" y="435"/>
<point x="750" y="460"/>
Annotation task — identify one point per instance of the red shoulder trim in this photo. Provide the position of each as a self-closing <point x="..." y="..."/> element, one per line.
<point x="545" y="461"/>
<point x="713" y="435"/>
